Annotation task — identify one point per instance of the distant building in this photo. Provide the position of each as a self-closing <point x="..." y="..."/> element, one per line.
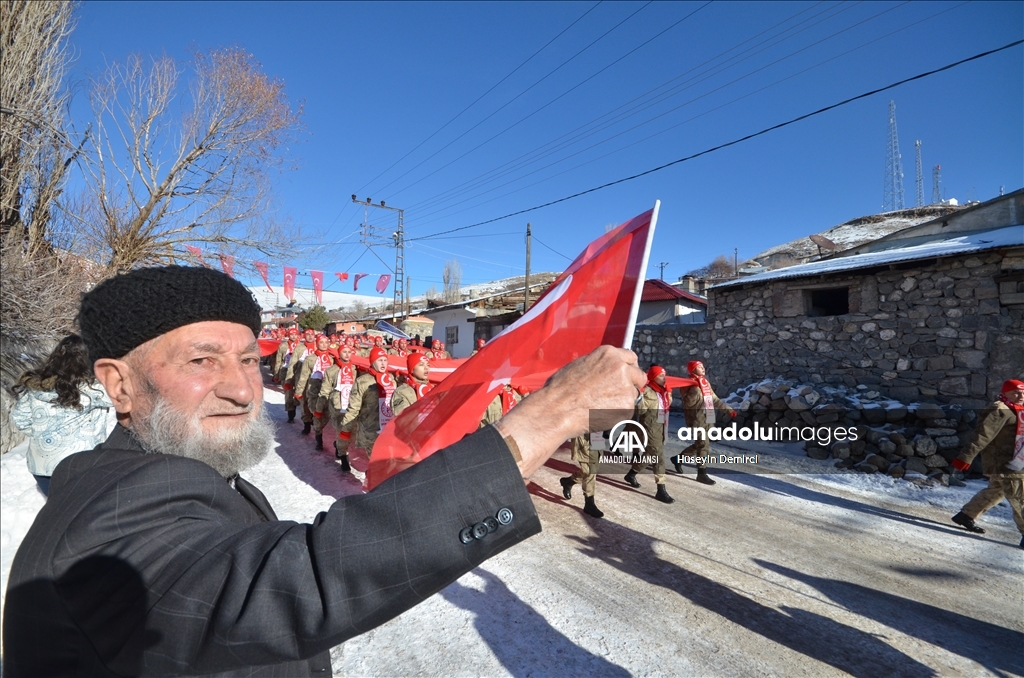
<point x="661" y="303"/>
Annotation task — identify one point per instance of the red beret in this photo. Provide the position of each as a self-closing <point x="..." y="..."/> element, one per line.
<point x="1012" y="385"/>
<point x="377" y="352"/>
<point x="692" y="365"/>
<point x="414" y="359"/>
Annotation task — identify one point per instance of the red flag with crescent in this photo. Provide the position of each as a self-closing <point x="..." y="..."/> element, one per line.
<point x="593" y="302"/>
<point x="289" y="282"/>
<point x="342" y="277"/>
<point x="318" y="286"/>
<point x="355" y="281"/>
<point x="264" y="270"/>
<point x="197" y="253"/>
<point x="382" y="283"/>
<point x="227" y="262"/>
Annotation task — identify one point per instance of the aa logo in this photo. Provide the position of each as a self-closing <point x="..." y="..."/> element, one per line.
<point x="628" y="438"/>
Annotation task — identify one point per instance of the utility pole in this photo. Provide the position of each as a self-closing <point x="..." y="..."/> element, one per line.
<point x="373" y="235"/>
<point x="736" y="262"/>
<point x="662" y="266"/>
<point x="526" y="293"/>
<point x="408" y="298"/>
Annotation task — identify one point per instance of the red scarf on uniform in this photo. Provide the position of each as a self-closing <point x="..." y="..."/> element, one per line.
<point x="324" y="360"/>
<point x="1017" y="463"/>
<point x="421" y="389"/>
<point x="508" y="400"/>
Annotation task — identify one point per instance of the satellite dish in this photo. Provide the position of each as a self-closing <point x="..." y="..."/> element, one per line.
<point x="823" y="242"/>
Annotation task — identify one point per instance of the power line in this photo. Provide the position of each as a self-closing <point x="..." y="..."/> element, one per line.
<point x="679" y="124"/>
<point x="557" y="68"/>
<point x="477" y="100"/>
<point x="735" y="141"/>
<point x="646" y="42"/>
<point x="552" y="249"/>
<point x="633" y="107"/>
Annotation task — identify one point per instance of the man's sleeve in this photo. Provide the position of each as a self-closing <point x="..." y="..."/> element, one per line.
<point x="993" y="419"/>
<point x="221" y="595"/>
<point x="355" y="403"/>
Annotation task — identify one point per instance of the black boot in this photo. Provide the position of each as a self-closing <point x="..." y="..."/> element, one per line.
<point x="306" y="428"/>
<point x="567" y="484"/>
<point x="590" y="508"/>
<point x="631" y="478"/>
<point x="967" y="522"/>
<point x="291" y="416"/>
<point x="679" y="466"/>
<point x="662" y="495"/>
<point x="703" y="477"/>
<point x="319" y="441"/>
<point x="345" y="468"/>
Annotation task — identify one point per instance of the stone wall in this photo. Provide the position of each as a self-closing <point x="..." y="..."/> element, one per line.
<point x="946" y="331"/>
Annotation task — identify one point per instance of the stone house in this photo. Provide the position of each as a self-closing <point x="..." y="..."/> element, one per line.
<point x="931" y="313"/>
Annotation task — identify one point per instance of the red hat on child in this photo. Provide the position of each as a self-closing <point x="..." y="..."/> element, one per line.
<point x="377" y="352"/>
<point x="1012" y="385"/>
<point x="655" y="372"/>
<point x="414" y="359"/>
<point x="692" y="365"/>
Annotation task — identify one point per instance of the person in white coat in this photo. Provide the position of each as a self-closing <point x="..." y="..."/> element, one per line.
<point x="61" y="408"/>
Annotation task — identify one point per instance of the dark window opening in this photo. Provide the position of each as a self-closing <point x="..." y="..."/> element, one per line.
<point x="828" y="302"/>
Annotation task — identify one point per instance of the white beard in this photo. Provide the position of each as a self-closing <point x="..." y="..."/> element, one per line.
<point x="228" y="451"/>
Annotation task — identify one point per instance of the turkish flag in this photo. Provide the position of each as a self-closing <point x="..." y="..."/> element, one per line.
<point x="382" y="283"/>
<point x="268" y="347"/>
<point x="197" y="253"/>
<point x="679" y="382"/>
<point x="318" y="286"/>
<point x="439" y="369"/>
<point x="593" y="302"/>
<point x="261" y="266"/>
<point x="289" y="283"/>
<point x="227" y="262"/>
<point x="355" y="281"/>
<point x="342" y="277"/>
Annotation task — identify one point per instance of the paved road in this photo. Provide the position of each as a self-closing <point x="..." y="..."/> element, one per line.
<point x="758" y="575"/>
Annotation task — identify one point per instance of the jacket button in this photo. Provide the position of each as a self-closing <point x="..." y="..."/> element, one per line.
<point x="504" y="516"/>
<point x="466" y="535"/>
<point x="479" y="530"/>
<point x="491" y="524"/>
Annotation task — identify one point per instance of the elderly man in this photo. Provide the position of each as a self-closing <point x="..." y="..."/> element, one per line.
<point x="154" y="557"/>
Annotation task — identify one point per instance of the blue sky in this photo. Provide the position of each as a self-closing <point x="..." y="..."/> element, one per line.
<point x="378" y="79"/>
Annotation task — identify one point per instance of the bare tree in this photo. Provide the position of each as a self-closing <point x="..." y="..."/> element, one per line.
<point x="431" y="293"/>
<point x="35" y="151"/>
<point x="719" y="269"/>
<point x="178" y="164"/>
<point x="452" y="277"/>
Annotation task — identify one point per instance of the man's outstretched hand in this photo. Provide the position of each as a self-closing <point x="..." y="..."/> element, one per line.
<point x="606" y="381"/>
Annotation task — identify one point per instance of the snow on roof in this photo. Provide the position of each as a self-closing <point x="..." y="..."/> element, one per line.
<point x="1008" y="236"/>
<point x="659" y="290"/>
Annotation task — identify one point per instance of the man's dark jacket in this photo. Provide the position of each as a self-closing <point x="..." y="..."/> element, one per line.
<point x="151" y="564"/>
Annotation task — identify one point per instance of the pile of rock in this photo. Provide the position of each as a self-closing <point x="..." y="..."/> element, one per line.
<point x="919" y="439"/>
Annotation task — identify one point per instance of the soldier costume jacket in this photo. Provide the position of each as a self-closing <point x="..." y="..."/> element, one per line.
<point x="150" y="564"/>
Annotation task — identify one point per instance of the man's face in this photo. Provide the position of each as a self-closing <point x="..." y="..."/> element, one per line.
<point x="380" y="364"/>
<point x="197" y="392"/>
<point x="698" y="371"/>
<point x="422" y="370"/>
<point x="1016" y="397"/>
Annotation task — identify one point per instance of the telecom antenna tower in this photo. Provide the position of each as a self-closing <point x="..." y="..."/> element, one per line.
<point x="892" y="194"/>
<point x="920" y="176"/>
<point x="936" y="188"/>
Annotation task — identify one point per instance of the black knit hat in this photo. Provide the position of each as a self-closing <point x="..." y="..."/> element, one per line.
<point x="128" y="310"/>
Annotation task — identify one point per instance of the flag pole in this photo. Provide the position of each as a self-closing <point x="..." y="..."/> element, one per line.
<point x="635" y="309"/>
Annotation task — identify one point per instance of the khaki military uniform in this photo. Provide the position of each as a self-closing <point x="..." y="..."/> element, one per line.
<point x="493" y="411"/>
<point x="646" y="414"/>
<point x="993" y="439"/>
<point x="588" y="460"/>
<point x="403" y="397"/>
<point x="309" y="386"/>
<point x="363" y="412"/>
<point x="289" y="374"/>
<point x="329" y="400"/>
<point x="697" y="417"/>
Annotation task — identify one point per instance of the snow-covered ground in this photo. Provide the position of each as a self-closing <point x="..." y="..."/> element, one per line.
<point x="787" y="568"/>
